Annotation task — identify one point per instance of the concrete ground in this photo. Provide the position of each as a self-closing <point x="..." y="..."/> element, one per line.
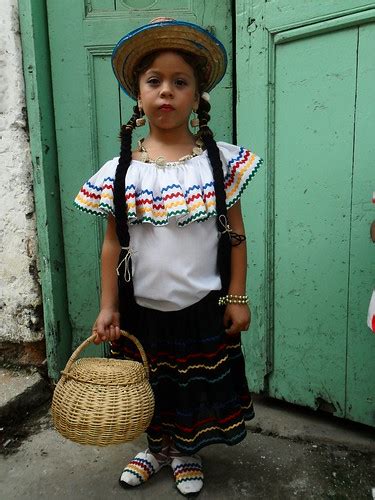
<point x="303" y="459"/>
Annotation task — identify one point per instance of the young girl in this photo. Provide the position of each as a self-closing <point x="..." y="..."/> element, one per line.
<point x="174" y="252"/>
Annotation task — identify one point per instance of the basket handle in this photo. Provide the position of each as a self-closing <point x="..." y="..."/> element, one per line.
<point x="89" y="340"/>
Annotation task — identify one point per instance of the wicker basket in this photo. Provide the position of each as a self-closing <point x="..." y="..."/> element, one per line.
<point x="103" y="401"/>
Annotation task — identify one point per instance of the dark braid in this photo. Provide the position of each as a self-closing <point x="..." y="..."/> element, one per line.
<point x="126" y="289"/>
<point x="224" y="247"/>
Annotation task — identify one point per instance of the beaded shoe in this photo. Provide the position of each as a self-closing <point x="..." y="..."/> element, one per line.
<point x="141" y="468"/>
<point x="188" y="474"/>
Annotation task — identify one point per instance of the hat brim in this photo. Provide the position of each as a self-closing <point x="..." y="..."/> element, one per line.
<point x="168" y="35"/>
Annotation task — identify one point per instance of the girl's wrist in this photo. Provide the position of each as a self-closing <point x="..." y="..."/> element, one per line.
<point x="237" y="291"/>
<point x="109" y="307"/>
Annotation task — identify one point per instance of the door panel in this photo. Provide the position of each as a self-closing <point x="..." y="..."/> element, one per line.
<point x="314" y="114"/>
<point x="89" y="109"/>
<point x="308" y="110"/>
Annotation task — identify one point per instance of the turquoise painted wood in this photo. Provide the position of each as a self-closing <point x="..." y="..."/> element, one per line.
<point x="34" y="34"/>
<point x="305" y="79"/>
<point x="312" y="215"/>
<point x="311" y="100"/>
<point x="360" y="384"/>
<point x="89" y="110"/>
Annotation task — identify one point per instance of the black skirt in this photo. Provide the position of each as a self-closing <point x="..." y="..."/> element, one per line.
<point x="197" y="373"/>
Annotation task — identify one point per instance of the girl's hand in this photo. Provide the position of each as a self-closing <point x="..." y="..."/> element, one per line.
<point x="107" y="326"/>
<point x="237" y="318"/>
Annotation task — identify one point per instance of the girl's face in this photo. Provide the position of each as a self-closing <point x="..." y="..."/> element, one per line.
<point x="168" y="91"/>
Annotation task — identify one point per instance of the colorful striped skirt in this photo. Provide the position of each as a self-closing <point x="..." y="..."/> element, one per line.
<point x="197" y="375"/>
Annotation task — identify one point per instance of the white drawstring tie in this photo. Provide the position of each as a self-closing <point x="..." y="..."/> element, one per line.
<point x="224" y="222"/>
<point x="126" y="260"/>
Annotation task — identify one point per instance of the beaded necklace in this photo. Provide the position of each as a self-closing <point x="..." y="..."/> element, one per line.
<point x="160" y="161"/>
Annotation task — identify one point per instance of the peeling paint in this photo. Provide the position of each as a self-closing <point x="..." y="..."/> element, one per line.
<point x="20" y="295"/>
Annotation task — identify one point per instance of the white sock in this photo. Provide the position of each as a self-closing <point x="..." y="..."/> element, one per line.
<point x="188" y="474"/>
<point x="141" y="468"/>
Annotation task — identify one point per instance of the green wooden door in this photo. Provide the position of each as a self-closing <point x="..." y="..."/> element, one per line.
<point x="309" y="104"/>
<point x="89" y="109"/>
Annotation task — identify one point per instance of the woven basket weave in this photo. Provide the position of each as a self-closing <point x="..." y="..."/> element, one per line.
<point x="103" y="401"/>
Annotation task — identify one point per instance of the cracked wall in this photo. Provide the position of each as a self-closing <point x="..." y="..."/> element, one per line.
<point x="20" y="295"/>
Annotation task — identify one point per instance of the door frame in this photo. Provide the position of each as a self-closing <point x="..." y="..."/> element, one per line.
<point x="39" y="102"/>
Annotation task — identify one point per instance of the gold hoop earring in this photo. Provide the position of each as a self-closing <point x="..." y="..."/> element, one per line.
<point x="139" y="122"/>
<point x="194" y="122"/>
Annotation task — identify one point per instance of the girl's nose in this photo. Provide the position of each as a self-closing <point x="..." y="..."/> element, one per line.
<point x="166" y="90"/>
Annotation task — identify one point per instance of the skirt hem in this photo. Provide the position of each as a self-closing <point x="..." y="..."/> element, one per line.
<point x="192" y="450"/>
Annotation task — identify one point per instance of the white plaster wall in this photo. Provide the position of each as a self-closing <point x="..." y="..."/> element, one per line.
<point x="20" y="297"/>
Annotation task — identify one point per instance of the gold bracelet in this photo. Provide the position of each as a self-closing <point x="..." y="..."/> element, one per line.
<point x="233" y="299"/>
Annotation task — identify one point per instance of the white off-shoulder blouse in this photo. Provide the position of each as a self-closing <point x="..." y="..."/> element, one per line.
<point x="172" y="224"/>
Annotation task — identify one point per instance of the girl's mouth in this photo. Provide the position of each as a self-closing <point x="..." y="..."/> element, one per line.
<point x="167" y="107"/>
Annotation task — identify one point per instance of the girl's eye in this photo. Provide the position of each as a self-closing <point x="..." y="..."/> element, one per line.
<point x="153" y="81"/>
<point x="180" y="82"/>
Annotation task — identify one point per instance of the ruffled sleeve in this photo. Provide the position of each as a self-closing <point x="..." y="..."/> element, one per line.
<point x="240" y="166"/>
<point x="96" y="195"/>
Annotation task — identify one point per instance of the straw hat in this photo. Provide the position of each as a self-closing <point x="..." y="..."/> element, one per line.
<point x="168" y="34"/>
